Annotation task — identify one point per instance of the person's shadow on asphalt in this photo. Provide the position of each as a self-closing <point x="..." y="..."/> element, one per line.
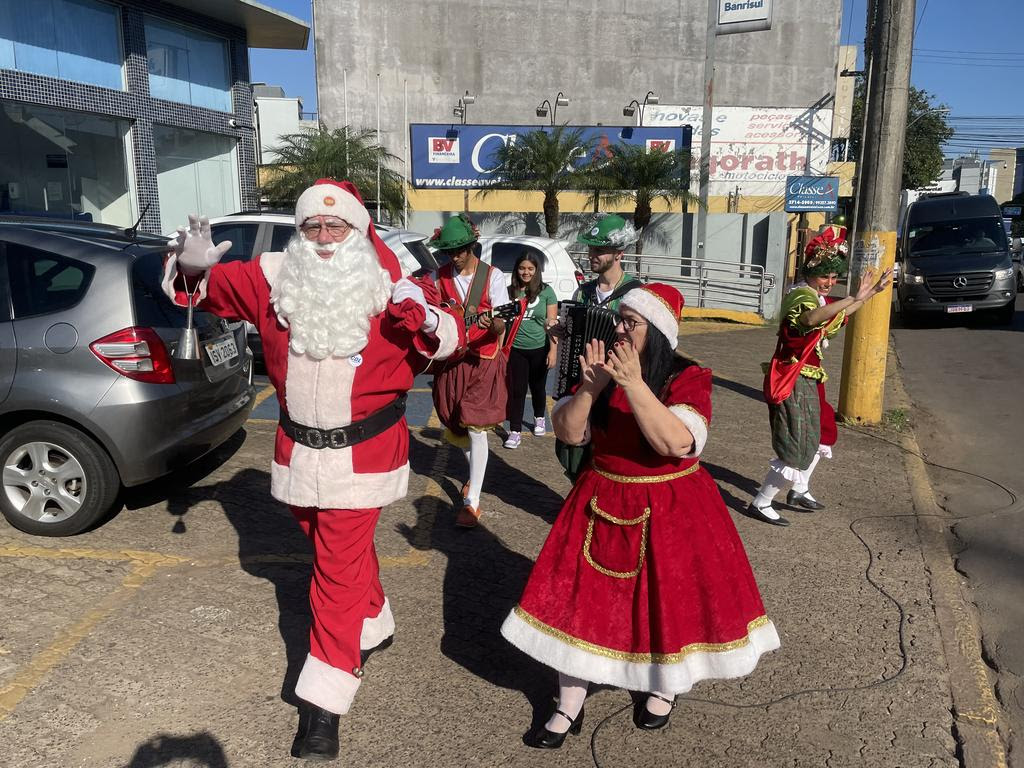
<point x="482" y="583"/>
<point x="201" y="750"/>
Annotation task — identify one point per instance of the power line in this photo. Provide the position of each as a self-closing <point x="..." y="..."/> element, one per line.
<point x="921" y="18"/>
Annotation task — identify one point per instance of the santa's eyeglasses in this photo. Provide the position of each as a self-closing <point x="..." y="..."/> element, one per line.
<point x="629" y="324"/>
<point x="335" y="228"/>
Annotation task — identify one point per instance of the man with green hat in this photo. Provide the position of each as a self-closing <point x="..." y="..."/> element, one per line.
<point x="470" y="395"/>
<point x="607" y="239"/>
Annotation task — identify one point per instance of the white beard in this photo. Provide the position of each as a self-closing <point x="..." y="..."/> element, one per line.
<point x="327" y="303"/>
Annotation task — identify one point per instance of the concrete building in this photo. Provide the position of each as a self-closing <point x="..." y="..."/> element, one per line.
<point x="1004" y="162"/>
<point x="112" y="109"/>
<point x="277" y="115"/>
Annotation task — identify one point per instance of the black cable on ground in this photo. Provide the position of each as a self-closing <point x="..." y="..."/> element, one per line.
<point x="867" y="576"/>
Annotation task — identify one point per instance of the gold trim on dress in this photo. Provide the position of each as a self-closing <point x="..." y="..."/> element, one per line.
<point x="647" y="478"/>
<point x="598" y="512"/>
<point x="692" y="410"/>
<point x="641" y="658"/>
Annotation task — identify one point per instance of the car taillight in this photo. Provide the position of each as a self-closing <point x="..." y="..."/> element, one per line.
<point x="579" y="277"/>
<point x="138" y="353"/>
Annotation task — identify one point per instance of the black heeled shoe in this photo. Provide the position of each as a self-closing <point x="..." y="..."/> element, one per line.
<point x="803" y="501"/>
<point x="648" y="720"/>
<point x="545" y="739"/>
<point x="317" y="738"/>
<point x="758" y="514"/>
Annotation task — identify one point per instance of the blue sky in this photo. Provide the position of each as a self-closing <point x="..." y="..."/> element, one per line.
<point x="970" y="60"/>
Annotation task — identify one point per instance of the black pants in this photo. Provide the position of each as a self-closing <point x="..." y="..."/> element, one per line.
<point x="526" y="367"/>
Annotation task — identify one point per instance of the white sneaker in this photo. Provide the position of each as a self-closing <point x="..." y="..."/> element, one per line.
<point x="514" y="438"/>
<point x="539" y="426"/>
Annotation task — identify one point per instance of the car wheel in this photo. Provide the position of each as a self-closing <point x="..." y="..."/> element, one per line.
<point x="1004" y="315"/>
<point x="57" y="481"/>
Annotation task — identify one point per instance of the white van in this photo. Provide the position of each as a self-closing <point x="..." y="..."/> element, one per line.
<point x="559" y="270"/>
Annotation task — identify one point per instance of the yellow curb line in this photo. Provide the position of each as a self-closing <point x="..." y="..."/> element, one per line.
<point x="733" y="315"/>
<point x="266" y="392"/>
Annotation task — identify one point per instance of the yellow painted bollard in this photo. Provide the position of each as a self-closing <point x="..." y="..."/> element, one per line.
<point x="867" y="338"/>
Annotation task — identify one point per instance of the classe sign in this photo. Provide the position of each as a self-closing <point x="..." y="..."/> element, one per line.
<point x="812" y="193"/>
<point x="449" y="156"/>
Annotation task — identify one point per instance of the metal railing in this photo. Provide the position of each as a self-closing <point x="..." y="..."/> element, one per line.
<point x="703" y="282"/>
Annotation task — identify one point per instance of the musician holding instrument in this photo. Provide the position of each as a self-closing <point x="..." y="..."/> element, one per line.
<point x="470" y="392"/>
<point x="643" y="582"/>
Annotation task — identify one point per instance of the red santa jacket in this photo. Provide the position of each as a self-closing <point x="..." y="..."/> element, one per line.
<point x="332" y="392"/>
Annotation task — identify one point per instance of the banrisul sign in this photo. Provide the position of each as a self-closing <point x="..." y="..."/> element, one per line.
<point x="744" y="16"/>
<point x="812" y="193"/>
<point x="446" y="156"/>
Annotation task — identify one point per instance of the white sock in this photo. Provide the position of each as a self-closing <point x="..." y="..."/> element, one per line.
<point x="572" y="692"/>
<point x="803" y="484"/>
<point x="477" y="456"/>
<point x="773" y="483"/>
<point x="658" y="707"/>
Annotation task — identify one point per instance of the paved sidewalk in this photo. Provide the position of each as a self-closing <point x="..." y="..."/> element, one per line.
<point x="170" y="635"/>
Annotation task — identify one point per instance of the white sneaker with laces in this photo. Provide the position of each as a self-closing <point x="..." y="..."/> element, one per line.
<point x="539" y="426"/>
<point x="514" y="438"/>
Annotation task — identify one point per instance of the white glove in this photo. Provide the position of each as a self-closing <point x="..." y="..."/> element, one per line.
<point x="194" y="247"/>
<point x="407" y="289"/>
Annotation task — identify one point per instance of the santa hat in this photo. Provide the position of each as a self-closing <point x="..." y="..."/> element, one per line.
<point x="328" y="197"/>
<point x="660" y="305"/>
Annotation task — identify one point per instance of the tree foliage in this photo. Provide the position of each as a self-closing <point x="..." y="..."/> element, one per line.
<point x="927" y="131"/>
<point x="542" y="161"/>
<point x="343" y="154"/>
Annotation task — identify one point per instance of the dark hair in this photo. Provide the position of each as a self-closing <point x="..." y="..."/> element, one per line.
<point x="658" y="363"/>
<point x="535" y="286"/>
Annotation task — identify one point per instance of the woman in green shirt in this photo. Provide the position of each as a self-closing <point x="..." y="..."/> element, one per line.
<point x="532" y="351"/>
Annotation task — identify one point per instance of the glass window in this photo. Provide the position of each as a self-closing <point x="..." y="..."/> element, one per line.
<point x="187" y="66"/>
<point x="76" y="40"/>
<point x="196" y="172"/>
<point x="242" y="237"/>
<point x="44" y="282"/>
<point x="957" y="236"/>
<point x="63" y="163"/>
<point x="280" y="238"/>
<point x="504" y="255"/>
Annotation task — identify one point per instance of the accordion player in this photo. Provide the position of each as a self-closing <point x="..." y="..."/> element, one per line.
<point x="581" y="324"/>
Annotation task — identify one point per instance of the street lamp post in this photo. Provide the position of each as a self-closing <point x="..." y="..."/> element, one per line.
<point x="630" y="109"/>
<point x="459" y="110"/>
<point x="545" y="106"/>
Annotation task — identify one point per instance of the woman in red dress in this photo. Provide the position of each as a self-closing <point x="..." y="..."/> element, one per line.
<point x="643" y="582"/>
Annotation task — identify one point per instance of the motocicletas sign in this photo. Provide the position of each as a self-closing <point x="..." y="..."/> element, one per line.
<point x="812" y="193"/>
<point x="446" y="156"/>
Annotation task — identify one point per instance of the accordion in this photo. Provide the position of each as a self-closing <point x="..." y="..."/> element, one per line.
<point x="581" y="324"/>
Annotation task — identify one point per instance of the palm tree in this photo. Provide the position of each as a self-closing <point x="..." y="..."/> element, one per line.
<point x="633" y="174"/>
<point x="542" y="161"/>
<point x="345" y="154"/>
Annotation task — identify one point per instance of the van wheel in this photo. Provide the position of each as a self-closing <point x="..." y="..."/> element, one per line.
<point x="57" y="481"/>
<point x="1020" y="280"/>
<point x="1004" y="315"/>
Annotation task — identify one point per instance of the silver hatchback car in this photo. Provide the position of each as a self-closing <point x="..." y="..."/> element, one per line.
<point x="91" y="396"/>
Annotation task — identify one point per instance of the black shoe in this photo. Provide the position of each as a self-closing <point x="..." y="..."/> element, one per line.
<point x="383" y="645"/>
<point x="318" y="733"/>
<point x="545" y="739"/>
<point x="803" y="501"/>
<point x="648" y="720"/>
<point x="757" y="514"/>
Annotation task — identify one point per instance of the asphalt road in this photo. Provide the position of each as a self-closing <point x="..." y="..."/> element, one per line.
<point x="965" y="377"/>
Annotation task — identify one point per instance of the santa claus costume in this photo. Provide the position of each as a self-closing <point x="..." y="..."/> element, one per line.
<point x="343" y="336"/>
<point x="643" y="582"/>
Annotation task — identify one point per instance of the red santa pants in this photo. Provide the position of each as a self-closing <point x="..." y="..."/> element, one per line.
<point x="346" y="587"/>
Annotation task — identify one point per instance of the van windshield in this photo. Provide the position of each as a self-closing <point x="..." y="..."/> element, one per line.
<point x="938" y="238"/>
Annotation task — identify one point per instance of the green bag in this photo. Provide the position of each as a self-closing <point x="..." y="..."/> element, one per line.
<point x="573" y="458"/>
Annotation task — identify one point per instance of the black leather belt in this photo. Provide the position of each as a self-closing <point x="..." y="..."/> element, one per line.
<point x="345" y="437"/>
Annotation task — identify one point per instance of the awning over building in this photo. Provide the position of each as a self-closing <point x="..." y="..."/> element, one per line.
<point x="265" y="27"/>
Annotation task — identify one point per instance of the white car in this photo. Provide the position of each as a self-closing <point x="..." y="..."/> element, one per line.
<point x="559" y="270"/>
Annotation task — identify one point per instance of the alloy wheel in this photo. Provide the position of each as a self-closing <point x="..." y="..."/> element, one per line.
<point x="44" y="482"/>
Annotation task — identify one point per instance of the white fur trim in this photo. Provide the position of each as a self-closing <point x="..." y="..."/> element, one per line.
<point x="655" y="312"/>
<point x="377" y="629"/>
<point x="325" y="479"/>
<point x="271" y="263"/>
<point x="325" y="686"/>
<point x="171" y="274"/>
<point x="446" y="333"/>
<point x="678" y="677"/>
<point x="314" y="202"/>
<point x="318" y="393"/>
<point x="694" y="422"/>
<point x="792" y="474"/>
<point x="561" y="403"/>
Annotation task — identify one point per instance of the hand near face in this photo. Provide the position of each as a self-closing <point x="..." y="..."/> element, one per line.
<point x="594" y="374"/>
<point x="624" y="365"/>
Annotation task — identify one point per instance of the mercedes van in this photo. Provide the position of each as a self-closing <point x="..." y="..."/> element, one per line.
<point x="954" y="257"/>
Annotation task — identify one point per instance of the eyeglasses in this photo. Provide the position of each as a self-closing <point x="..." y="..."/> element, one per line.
<point x="335" y="228"/>
<point x="629" y="323"/>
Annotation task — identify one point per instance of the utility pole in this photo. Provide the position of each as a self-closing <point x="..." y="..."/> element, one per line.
<point x="888" y="44"/>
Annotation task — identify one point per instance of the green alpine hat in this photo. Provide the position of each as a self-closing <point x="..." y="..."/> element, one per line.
<point x="609" y="231"/>
<point x="457" y="232"/>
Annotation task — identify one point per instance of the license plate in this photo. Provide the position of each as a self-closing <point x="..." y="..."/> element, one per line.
<point x="222" y="350"/>
<point x="954" y="308"/>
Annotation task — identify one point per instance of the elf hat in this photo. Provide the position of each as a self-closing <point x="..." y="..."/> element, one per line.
<point x="328" y="197"/>
<point x="609" y="231"/>
<point x="457" y="232"/>
<point x="826" y="253"/>
<point x="660" y="305"/>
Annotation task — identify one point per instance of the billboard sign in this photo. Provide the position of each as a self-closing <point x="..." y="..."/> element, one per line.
<point x="446" y="156"/>
<point x="744" y="16"/>
<point x="755" y="148"/>
<point x="812" y="193"/>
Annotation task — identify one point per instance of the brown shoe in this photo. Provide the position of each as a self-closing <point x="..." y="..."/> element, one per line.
<point x="467" y="517"/>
